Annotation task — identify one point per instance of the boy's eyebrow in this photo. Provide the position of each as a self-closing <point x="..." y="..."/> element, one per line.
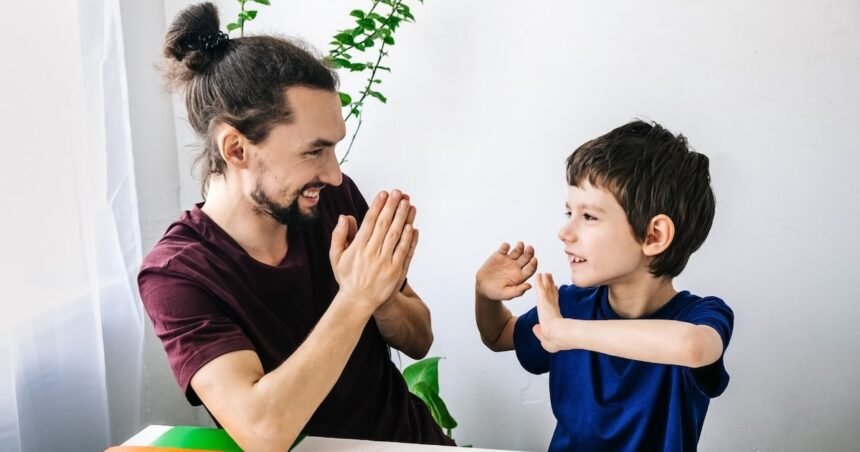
<point x="594" y="207"/>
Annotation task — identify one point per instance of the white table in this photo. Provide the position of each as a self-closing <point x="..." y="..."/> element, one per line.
<point x="317" y="443"/>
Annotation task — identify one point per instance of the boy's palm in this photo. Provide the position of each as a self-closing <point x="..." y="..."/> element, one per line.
<point x="503" y="275"/>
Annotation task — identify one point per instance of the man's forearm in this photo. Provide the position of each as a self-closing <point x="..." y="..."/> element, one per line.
<point x="404" y="322"/>
<point x="495" y="323"/>
<point x="655" y="341"/>
<point x="284" y="400"/>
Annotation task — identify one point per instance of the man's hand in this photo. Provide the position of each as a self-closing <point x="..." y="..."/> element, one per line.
<point x="503" y="276"/>
<point x="369" y="262"/>
<point x="549" y="314"/>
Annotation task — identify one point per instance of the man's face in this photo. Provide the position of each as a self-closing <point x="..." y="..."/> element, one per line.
<point x="297" y="160"/>
<point x="598" y="239"/>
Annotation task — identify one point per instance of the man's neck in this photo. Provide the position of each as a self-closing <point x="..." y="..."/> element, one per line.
<point x="260" y="235"/>
<point x="640" y="295"/>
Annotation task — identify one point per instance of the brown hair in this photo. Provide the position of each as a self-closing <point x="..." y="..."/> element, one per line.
<point x="240" y="82"/>
<point x="650" y="171"/>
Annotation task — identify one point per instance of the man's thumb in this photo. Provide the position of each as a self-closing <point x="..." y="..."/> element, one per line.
<point x="338" y="240"/>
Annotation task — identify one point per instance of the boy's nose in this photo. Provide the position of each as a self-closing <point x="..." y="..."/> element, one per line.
<point x="566" y="233"/>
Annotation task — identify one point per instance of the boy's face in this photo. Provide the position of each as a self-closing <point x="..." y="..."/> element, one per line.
<point x="598" y="239"/>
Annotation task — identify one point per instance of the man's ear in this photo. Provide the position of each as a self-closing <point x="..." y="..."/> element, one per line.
<point x="660" y="233"/>
<point x="232" y="146"/>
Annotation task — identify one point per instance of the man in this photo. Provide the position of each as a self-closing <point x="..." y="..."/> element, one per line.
<point x="275" y="308"/>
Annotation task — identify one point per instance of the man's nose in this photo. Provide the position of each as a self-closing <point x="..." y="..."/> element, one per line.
<point x="331" y="173"/>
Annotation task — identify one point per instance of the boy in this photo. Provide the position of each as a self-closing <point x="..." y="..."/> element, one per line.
<point x="633" y="363"/>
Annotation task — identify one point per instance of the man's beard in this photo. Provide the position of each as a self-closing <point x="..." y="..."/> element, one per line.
<point x="290" y="215"/>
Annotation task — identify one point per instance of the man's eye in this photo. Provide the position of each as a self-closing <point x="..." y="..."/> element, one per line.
<point x="316" y="152"/>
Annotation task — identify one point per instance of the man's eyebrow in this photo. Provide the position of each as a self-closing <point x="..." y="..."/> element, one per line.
<point x="320" y="142"/>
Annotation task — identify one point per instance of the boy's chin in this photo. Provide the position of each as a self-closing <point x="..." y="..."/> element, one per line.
<point x="580" y="280"/>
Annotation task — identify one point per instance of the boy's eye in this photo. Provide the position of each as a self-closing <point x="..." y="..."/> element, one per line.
<point x="567" y="214"/>
<point x="588" y="217"/>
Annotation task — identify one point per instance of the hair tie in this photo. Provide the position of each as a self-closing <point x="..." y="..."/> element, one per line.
<point x="209" y="41"/>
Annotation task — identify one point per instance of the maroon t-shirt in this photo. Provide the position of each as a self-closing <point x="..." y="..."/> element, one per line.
<point x="206" y="297"/>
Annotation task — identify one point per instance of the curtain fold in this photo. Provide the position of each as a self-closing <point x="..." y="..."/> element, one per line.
<point x="71" y="338"/>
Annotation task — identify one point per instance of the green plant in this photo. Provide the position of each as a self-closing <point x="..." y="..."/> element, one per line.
<point x="374" y="29"/>
<point x="422" y="379"/>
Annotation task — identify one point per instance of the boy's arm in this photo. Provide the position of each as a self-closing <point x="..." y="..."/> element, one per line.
<point x="656" y="341"/>
<point x="502" y="277"/>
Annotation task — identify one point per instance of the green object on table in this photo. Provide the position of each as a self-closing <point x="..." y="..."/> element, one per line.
<point x="197" y="438"/>
<point x="202" y="438"/>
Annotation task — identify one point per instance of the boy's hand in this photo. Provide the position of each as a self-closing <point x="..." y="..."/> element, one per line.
<point x="549" y="314"/>
<point x="503" y="276"/>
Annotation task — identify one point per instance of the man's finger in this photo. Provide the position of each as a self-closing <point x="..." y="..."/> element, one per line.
<point x="383" y="221"/>
<point x="395" y="231"/>
<point x="369" y="222"/>
<point x="352" y="229"/>
<point x="504" y="248"/>
<point x="338" y="240"/>
<point x="401" y="252"/>
<point x="527" y="255"/>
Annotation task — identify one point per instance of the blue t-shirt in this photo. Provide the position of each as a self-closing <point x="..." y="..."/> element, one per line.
<point x="603" y="402"/>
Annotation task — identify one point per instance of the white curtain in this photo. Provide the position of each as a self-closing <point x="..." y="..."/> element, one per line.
<point x="71" y="326"/>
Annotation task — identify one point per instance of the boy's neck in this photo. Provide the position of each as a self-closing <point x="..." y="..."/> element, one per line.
<point x="640" y="297"/>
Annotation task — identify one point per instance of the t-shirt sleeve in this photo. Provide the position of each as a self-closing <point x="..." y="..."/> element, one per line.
<point x="530" y="353"/>
<point x="191" y="326"/>
<point x="712" y="379"/>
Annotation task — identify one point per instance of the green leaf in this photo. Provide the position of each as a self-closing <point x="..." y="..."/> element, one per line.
<point x="388" y="40"/>
<point x="233" y="26"/>
<point x="425" y="370"/>
<point x="345" y="99"/>
<point x="338" y="63"/>
<point x="344" y="38"/>
<point x="367" y="43"/>
<point x="422" y="379"/>
<point x="357" y="67"/>
<point x="263" y="2"/>
<point x="248" y="15"/>
<point x="357" y="13"/>
<point x="367" y="23"/>
<point x="384" y="68"/>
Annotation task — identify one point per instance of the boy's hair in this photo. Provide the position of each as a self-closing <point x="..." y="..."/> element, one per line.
<point x="650" y="171"/>
<point x="240" y="81"/>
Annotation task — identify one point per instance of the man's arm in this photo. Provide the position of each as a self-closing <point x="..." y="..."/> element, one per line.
<point x="267" y="411"/>
<point x="655" y="341"/>
<point x="502" y="277"/>
<point x="404" y="322"/>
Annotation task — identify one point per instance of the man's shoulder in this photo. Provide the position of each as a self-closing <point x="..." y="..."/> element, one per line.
<point x="183" y="243"/>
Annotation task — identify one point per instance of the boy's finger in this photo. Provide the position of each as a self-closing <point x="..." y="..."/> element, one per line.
<point x="517" y="251"/>
<point x="530" y="268"/>
<point x="527" y="255"/>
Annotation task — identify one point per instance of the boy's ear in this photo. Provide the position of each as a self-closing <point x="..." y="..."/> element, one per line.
<point x="658" y="237"/>
<point x="232" y="146"/>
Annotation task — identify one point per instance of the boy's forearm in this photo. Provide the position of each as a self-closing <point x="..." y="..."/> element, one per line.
<point x="495" y="323"/>
<point x="655" y="341"/>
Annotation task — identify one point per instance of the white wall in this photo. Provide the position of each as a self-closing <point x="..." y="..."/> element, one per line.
<point x="486" y="100"/>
